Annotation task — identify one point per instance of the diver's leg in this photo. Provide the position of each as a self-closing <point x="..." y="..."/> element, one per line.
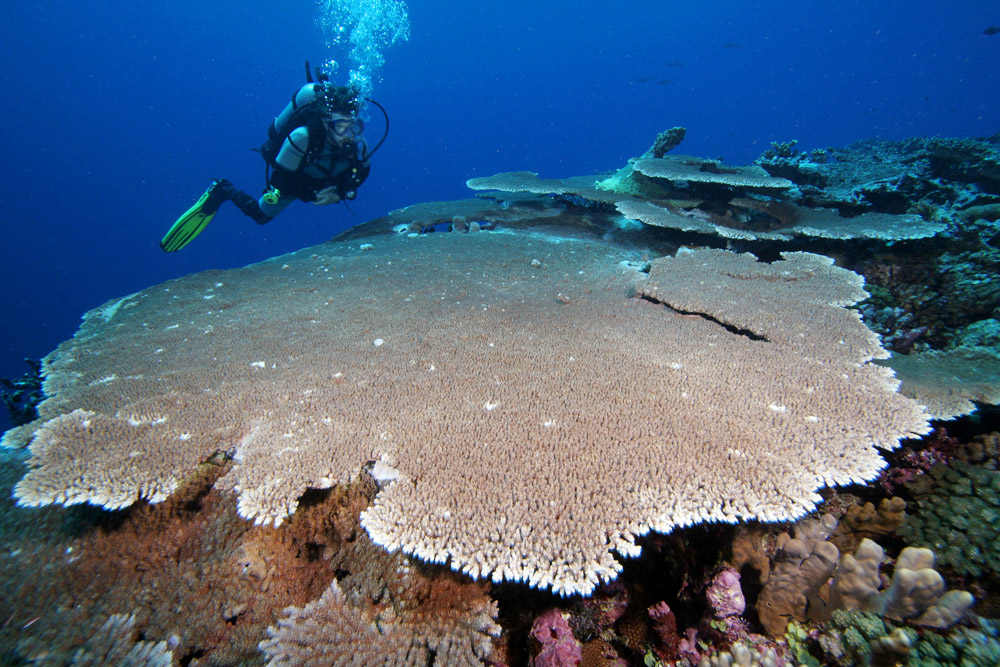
<point x="273" y="209"/>
<point x="250" y="206"/>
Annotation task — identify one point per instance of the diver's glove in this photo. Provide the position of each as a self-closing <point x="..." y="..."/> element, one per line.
<point x="328" y="195"/>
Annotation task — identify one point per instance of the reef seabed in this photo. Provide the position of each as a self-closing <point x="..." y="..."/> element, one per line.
<point x="882" y="572"/>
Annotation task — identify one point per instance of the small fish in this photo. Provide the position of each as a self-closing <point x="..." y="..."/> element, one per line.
<point x="675" y="64"/>
<point x="663" y="82"/>
<point x="733" y="45"/>
<point x="992" y="30"/>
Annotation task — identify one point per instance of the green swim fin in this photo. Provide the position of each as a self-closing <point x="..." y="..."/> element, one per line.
<point x="196" y="218"/>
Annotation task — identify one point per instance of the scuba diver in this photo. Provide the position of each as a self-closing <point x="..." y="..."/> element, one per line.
<point x="315" y="152"/>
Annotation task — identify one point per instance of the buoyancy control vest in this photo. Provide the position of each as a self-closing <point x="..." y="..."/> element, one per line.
<point x="306" y="110"/>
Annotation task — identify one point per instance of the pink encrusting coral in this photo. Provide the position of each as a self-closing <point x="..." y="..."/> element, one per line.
<point x="559" y="647"/>
<point x="725" y="594"/>
<point x="537" y="400"/>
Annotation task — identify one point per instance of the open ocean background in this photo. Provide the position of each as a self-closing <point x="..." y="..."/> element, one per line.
<point x="117" y="115"/>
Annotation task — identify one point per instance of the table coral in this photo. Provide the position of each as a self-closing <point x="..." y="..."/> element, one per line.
<point x="489" y="395"/>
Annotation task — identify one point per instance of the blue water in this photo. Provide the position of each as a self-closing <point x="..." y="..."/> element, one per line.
<point x="117" y="115"/>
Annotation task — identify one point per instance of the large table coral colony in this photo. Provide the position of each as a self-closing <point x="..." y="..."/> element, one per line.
<point x="510" y="415"/>
<point x="529" y="403"/>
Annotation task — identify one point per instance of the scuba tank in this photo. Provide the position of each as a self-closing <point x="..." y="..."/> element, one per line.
<point x="306" y="109"/>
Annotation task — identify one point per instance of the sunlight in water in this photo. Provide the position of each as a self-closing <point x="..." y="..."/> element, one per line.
<point x="370" y="27"/>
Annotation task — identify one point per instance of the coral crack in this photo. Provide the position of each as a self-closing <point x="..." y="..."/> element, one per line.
<point x="705" y="316"/>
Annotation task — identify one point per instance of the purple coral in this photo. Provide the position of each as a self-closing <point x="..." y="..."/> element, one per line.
<point x="559" y="647"/>
<point x="725" y="594"/>
<point x="911" y="463"/>
<point x="665" y="626"/>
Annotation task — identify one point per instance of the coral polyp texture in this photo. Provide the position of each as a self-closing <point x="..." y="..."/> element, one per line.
<point x="113" y="643"/>
<point x="811" y="579"/>
<point x="330" y="631"/>
<point x="539" y="401"/>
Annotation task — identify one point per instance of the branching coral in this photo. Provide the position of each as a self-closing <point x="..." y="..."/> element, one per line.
<point x="333" y="631"/>
<point x="114" y="643"/>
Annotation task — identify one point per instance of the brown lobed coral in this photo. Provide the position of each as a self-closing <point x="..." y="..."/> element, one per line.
<point x="810" y="579"/>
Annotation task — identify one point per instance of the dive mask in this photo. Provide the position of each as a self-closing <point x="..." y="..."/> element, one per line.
<point x="346" y="127"/>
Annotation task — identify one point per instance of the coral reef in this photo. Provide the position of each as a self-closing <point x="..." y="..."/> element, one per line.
<point x="179" y="570"/>
<point x="190" y="572"/>
<point x="889" y="192"/>
<point x="956" y="512"/>
<point x="808" y="582"/>
<point x="114" y="643"/>
<point x="909" y="463"/>
<point x="859" y="639"/>
<point x="666" y="141"/>
<point x="435" y="624"/>
<point x="536" y="384"/>
<point x="976" y="645"/>
<point x="22" y="395"/>
<point x="559" y="648"/>
<point x="692" y="194"/>
<point x="725" y="594"/>
<point x="983" y="333"/>
<point x="862" y="638"/>
<point x="921" y="296"/>
<point x="486" y="213"/>
<point x="889" y="176"/>
<point x="950" y="382"/>
<point x="801" y="566"/>
<point x="542" y="406"/>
